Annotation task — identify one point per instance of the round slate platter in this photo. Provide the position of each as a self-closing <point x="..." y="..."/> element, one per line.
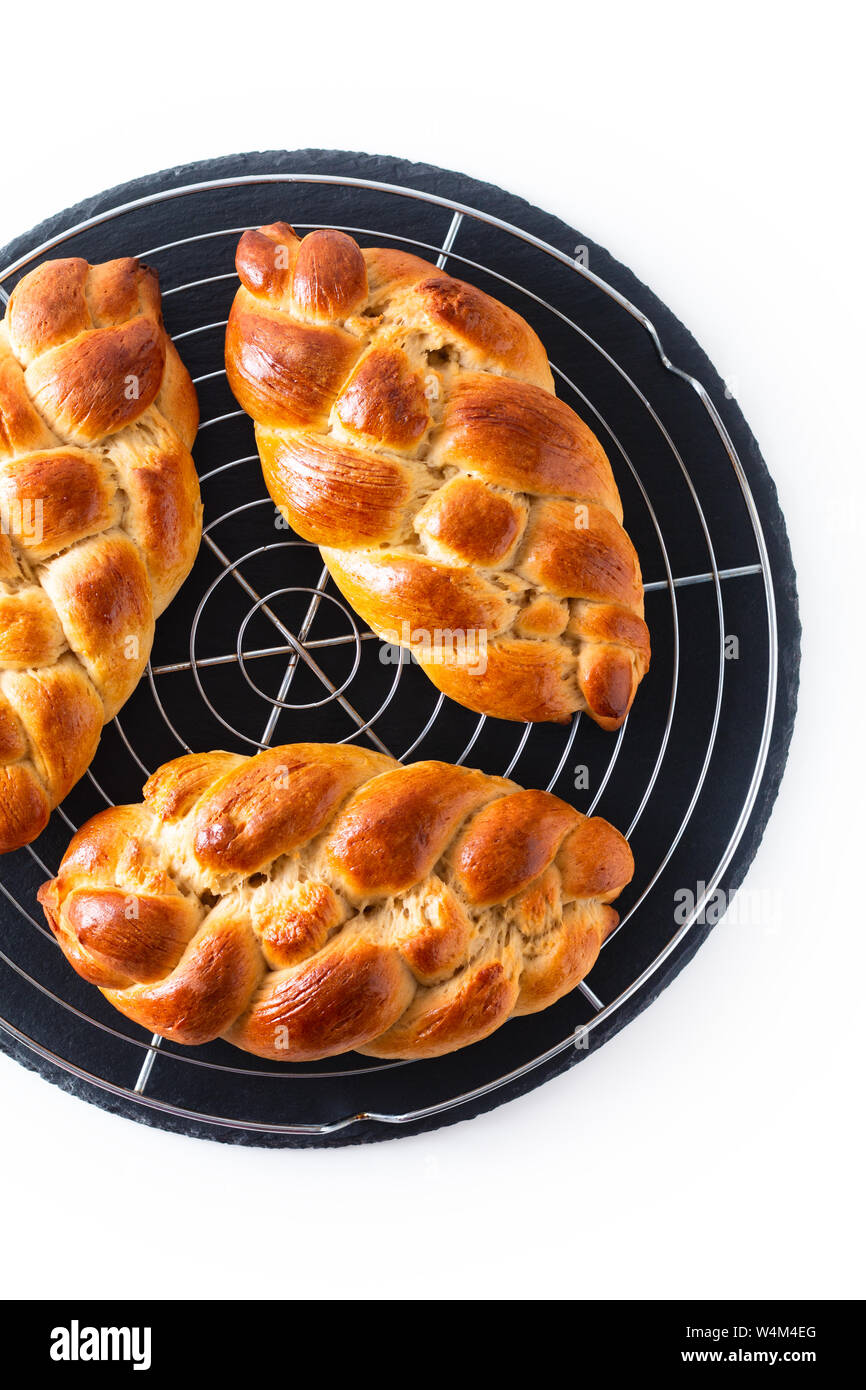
<point x="693" y="777"/>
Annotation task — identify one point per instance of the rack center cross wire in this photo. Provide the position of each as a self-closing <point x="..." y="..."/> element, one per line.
<point x="258" y="648"/>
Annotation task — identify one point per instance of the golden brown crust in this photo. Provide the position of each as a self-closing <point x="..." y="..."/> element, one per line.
<point x="318" y="898"/>
<point x="381" y="585"/>
<point x="594" y="861"/>
<point x="297" y="924"/>
<point x="406" y="423"/>
<point x="520" y="437"/>
<point x="283" y="372"/>
<point x="130" y="937"/>
<point x="98" y="382"/>
<point x="266" y="258"/>
<point x="598" y="559"/>
<point x="561" y="959"/>
<point x="328" y="490"/>
<point x="534" y="680"/>
<point x="48" y="308"/>
<point x="74" y="491"/>
<point x="509" y="845"/>
<point x="384" y="400"/>
<point x="176" y="786"/>
<point x="271" y="804"/>
<point x="201" y="997"/>
<point x="30" y="632"/>
<point x="329" y="278"/>
<point x="101" y="594"/>
<point x="100" y="511"/>
<point x="348" y="994"/>
<point x="24" y="806"/>
<point x="465" y="1009"/>
<point x="398" y="826"/>
<point x="468" y="523"/>
<point x="61" y="715"/>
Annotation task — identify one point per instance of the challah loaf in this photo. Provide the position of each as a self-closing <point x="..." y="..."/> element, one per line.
<point x="101" y="516"/>
<point x="319" y="898"/>
<point x="407" y="424"/>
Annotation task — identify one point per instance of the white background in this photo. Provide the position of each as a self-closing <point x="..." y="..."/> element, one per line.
<point x="714" y="1148"/>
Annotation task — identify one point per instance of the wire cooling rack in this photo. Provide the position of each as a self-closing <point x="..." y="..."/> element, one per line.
<point x="259" y="647"/>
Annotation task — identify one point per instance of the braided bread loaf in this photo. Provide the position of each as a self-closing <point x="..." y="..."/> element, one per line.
<point x="318" y="898"/>
<point x="101" y="516"/>
<point x="406" y="423"/>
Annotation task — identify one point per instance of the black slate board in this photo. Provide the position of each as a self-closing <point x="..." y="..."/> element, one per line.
<point x="115" y="1057"/>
